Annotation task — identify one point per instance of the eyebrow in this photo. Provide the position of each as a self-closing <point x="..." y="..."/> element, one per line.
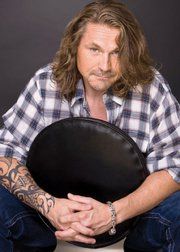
<point x="98" y="47"/>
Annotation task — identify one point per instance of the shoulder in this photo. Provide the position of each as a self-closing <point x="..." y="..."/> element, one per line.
<point x="159" y="85"/>
<point x="44" y="71"/>
<point x="161" y="95"/>
<point x="157" y="91"/>
<point x="44" y="78"/>
<point x="41" y="87"/>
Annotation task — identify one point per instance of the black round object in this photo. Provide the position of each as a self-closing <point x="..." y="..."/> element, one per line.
<point x="91" y="158"/>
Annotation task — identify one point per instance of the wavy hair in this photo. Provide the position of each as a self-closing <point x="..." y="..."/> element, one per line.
<point x="136" y="63"/>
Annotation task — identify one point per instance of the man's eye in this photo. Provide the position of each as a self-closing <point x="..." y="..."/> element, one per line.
<point x="115" y="53"/>
<point x="94" y="49"/>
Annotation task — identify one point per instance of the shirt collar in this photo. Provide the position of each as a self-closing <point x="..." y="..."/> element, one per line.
<point x="109" y="96"/>
<point x="80" y="95"/>
<point x="80" y="92"/>
<point x="117" y="99"/>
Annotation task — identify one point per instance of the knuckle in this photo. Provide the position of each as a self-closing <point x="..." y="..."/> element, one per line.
<point x="77" y="238"/>
<point x="82" y="215"/>
<point x="89" y="199"/>
<point x="59" y="236"/>
<point x="87" y="214"/>
<point x="91" y="233"/>
<point x="74" y="233"/>
<point x="74" y="225"/>
<point x="89" y="223"/>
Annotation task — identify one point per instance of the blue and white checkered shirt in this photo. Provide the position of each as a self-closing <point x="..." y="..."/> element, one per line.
<point x="150" y="115"/>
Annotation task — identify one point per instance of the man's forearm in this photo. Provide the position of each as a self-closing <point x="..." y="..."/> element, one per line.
<point x="17" y="179"/>
<point x="157" y="187"/>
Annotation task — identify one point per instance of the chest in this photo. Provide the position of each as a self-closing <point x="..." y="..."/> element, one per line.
<point x="130" y="117"/>
<point x="99" y="111"/>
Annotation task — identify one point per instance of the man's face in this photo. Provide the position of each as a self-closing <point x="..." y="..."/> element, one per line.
<point x="98" y="58"/>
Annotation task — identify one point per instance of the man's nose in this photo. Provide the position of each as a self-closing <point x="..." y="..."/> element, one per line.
<point x="104" y="62"/>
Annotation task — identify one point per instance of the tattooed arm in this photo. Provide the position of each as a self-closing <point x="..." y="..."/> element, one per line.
<point x="17" y="179"/>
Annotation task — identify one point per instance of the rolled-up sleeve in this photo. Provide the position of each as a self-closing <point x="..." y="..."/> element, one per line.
<point x="164" y="141"/>
<point x="22" y="123"/>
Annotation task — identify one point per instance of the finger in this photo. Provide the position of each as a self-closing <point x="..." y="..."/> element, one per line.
<point x="81" y="199"/>
<point x="84" y="239"/>
<point x="64" y="227"/>
<point x="61" y="226"/>
<point x="82" y="229"/>
<point x="63" y="235"/>
<point x="74" y="217"/>
<point x="79" y="206"/>
<point x="72" y="235"/>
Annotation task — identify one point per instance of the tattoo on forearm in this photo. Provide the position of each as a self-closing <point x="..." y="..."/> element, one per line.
<point x="17" y="179"/>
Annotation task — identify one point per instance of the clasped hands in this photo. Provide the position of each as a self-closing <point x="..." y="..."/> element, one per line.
<point x="79" y="218"/>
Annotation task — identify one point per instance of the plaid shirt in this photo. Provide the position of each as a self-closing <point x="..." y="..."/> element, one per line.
<point x="149" y="115"/>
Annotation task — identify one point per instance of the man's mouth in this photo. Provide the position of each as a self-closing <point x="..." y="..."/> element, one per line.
<point x="103" y="77"/>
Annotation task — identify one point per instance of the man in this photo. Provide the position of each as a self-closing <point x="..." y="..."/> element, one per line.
<point x="102" y="70"/>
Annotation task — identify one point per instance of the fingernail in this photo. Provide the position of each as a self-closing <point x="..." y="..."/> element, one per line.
<point x="94" y="241"/>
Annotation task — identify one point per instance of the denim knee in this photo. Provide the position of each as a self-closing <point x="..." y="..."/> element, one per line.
<point x="158" y="228"/>
<point x="11" y="206"/>
<point x="5" y="243"/>
<point x="22" y="224"/>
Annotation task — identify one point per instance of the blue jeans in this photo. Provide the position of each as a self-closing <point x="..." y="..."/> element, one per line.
<point x="22" y="226"/>
<point x="158" y="228"/>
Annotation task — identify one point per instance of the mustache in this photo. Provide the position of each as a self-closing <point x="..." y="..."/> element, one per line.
<point x="103" y="74"/>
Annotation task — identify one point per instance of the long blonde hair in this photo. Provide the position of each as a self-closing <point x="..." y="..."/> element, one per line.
<point x="136" y="63"/>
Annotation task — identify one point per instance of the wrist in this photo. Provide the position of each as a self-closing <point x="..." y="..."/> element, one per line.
<point x="121" y="207"/>
<point x="112" y="210"/>
<point x="45" y="204"/>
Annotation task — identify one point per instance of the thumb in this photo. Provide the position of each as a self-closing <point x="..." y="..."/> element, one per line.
<point x="80" y="199"/>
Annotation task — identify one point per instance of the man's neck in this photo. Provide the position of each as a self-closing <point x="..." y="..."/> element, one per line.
<point x="96" y="106"/>
<point x="94" y="96"/>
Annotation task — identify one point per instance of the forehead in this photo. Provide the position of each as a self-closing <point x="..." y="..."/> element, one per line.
<point x="100" y="34"/>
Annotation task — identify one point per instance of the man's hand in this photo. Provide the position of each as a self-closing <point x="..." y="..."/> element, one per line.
<point x="70" y="231"/>
<point x="98" y="218"/>
<point x="17" y="179"/>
